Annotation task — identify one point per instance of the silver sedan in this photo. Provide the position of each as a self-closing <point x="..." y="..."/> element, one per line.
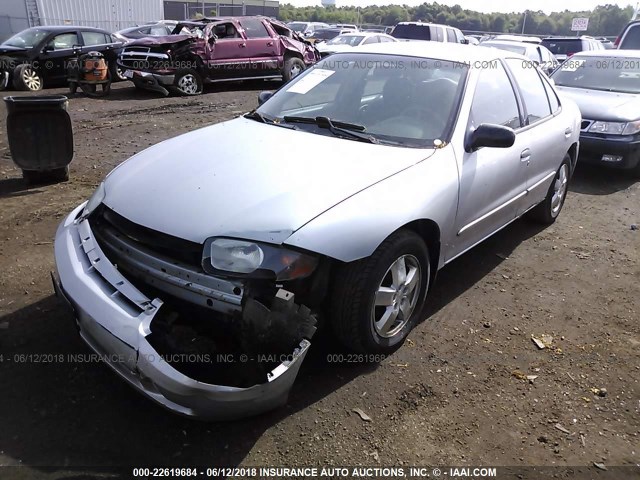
<point x="201" y="267"/>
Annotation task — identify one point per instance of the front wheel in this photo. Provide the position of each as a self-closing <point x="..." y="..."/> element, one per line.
<point x="376" y="301"/>
<point x="293" y="67"/>
<point x="25" y="77"/>
<point x="188" y="82"/>
<point x="548" y="210"/>
<point x="4" y="80"/>
<point x="116" y="72"/>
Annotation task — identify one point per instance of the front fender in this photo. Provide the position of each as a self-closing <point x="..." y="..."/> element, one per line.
<point x="354" y="228"/>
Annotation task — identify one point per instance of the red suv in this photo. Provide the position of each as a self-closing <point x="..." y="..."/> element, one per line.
<point x="215" y="50"/>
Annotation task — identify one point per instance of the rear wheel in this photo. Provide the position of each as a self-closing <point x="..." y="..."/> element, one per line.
<point x="376" y="301"/>
<point x="188" y="82"/>
<point x="25" y="77"/>
<point x="547" y="211"/>
<point x="293" y="66"/>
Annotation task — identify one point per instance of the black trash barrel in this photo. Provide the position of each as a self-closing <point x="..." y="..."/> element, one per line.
<point x="40" y="136"/>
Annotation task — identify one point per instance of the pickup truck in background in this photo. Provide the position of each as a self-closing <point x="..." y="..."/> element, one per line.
<point x="216" y="50"/>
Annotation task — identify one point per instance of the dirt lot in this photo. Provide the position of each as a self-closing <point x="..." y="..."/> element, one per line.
<point x="453" y="395"/>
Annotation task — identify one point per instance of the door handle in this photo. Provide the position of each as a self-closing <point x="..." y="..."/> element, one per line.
<point x="269" y="44"/>
<point x="242" y="45"/>
<point x="525" y="155"/>
<point x="568" y="131"/>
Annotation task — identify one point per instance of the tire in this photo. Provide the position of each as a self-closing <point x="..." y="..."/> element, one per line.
<point x="73" y="88"/>
<point x="117" y="74"/>
<point x="356" y="320"/>
<point x="293" y="67"/>
<point x="188" y="82"/>
<point x="548" y="210"/>
<point x="26" y="78"/>
<point x="4" y="80"/>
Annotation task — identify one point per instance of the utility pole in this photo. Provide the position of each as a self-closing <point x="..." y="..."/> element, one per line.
<point x="524" y="21"/>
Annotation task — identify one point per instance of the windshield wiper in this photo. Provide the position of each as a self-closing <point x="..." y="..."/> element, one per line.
<point x="255" y="115"/>
<point x="336" y="127"/>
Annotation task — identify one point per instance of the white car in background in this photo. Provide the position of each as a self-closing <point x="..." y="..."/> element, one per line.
<point x="346" y="41"/>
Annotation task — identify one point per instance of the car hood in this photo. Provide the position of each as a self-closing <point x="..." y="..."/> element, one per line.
<point x="600" y="105"/>
<point x="325" y="47"/>
<point x="247" y="179"/>
<point x="8" y="49"/>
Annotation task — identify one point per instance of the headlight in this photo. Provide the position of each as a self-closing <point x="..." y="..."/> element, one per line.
<point x="244" y="258"/>
<point x="615" y="128"/>
<point x="95" y="200"/>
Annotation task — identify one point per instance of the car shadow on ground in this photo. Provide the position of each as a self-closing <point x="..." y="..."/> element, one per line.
<point x="595" y="180"/>
<point x="60" y="410"/>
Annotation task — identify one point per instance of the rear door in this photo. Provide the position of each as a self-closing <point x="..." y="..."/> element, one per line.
<point x="263" y="46"/>
<point x="99" y="42"/>
<point x="546" y="133"/>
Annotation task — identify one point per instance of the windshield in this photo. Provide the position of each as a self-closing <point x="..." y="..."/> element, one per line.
<point x="509" y="48"/>
<point x="412" y="32"/>
<point x="297" y="26"/>
<point x="600" y="73"/>
<point x="393" y="99"/>
<point x="563" y="47"/>
<point x="326" y="34"/>
<point x="27" y="38"/>
<point x="352" y="40"/>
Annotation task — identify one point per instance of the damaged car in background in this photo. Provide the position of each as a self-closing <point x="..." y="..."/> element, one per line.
<point x="216" y="50"/>
<point x="206" y="262"/>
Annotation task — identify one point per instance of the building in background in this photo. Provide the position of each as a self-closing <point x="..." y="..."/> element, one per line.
<point x="328" y="3"/>
<point x="112" y="15"/>
<point x="16" y="15"/>
<point x="183" y="9"/>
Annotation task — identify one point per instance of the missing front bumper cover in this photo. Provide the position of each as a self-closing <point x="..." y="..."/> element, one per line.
<point x="118" y="321"/>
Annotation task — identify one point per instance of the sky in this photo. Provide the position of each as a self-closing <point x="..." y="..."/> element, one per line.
<point x="485" y="6"/>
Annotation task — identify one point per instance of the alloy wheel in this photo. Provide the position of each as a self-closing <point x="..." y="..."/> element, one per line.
<point x="396" y="296"/>
<point x="559" y="189"/>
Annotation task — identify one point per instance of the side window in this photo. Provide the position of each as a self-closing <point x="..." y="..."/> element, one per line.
<point x="459" y="36"/>
<point x="384" y="39"/>
<point x="532" y="89"/>
<point x="64" y="41"/>
<point x="551" y="95"/>
<point x="494" y="100"/>
<point x="158" y="31"/>
<point x="94" y="38"/>
<point x="631" y="39"/>
<point x="451" y="35"/>
<point x="374" y="39"/>
<point x="439" y="34"/>
<point x="254" y="28"/>
<point x="226" y="31"/>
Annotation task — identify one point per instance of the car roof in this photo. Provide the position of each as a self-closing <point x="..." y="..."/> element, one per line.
<point x="609" y="53"/>
<point x="453" y="52"/>
<point x="65" y="28"/>
<point x="426" y="23"/>
<point x="512" y="43"/>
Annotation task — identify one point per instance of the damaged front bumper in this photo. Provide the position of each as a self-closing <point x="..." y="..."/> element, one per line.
<point x="154" y="82"/>
<point x="115" y="320"/>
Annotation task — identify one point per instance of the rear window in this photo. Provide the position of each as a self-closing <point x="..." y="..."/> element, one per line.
<point x="563" y="47"/>
<point x="412" y="32"/>
<point x="631" y="39"/>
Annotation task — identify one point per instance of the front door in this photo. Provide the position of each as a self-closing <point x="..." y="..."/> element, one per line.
<point x="492" y="180"/>
<point x="56" y="53"/>
<point x="227" y="53"/>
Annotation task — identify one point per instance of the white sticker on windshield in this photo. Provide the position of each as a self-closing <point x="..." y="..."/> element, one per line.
<point x="572" y="65"/>
<point x="310" y="80"/>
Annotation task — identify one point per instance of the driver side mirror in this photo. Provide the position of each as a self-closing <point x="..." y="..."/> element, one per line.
<point x="264" y="96"/>
<point x="490" y="135"/>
